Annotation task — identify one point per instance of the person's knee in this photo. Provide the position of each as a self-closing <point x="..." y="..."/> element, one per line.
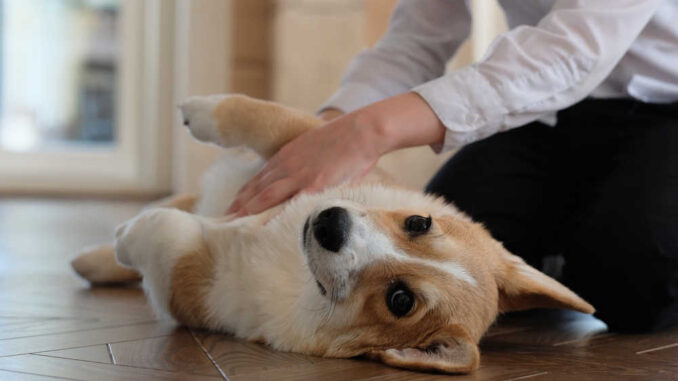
<point x="627" y="267"/>
<point x="637" y="313"/>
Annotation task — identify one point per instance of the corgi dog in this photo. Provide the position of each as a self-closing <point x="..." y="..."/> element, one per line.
<point x="366" y="269"/>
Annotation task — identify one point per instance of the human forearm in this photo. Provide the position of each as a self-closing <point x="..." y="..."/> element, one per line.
<point x="532" y="71"/>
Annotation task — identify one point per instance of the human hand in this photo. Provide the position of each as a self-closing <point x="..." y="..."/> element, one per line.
<point x="340" y="151"/>
<point x="335" y="153"/>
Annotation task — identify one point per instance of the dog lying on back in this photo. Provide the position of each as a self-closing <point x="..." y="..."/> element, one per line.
<point x="361" y="269"/>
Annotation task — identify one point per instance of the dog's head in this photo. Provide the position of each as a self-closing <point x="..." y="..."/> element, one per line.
<point x="417" y="288"/>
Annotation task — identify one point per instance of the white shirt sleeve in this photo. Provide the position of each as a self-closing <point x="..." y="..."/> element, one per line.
<point x="531" y="71"/>
<point x="421" y="37"/>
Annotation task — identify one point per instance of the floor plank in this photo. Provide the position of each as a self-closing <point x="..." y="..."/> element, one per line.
<point x="178" y="352"/>
<point x="42" y="343"/>
<point x="93" y="353"/>
<point x="18" y="376"/>
<point x="85" y="370"/>
<point x="237" y="356"/>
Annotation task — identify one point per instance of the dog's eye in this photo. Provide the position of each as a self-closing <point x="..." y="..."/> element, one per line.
<point x="417" y="224"/>
<point x="399" y="299"/>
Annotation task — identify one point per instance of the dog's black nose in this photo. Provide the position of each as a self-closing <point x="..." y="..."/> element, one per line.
<point x="331" y="228"/>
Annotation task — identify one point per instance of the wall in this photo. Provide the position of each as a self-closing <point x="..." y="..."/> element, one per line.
<point x="203" y="66"/>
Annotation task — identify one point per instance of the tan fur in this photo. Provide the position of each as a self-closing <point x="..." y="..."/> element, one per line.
<point x="274" y="125"/>
<point x="456" y="344"/>
<point x="192" y="277"/>
<point x="523" y="287"/>
<point x="442" y="243"/>
<point x="449" y="321"/>
<point x="423" y="245"/>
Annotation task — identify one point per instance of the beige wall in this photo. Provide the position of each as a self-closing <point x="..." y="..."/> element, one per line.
<point x="203" y="66"/>
<point x="251" y="39"/>
<point x="314" y="41"/>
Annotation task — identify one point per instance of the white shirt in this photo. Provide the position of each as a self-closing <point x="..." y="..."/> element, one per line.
<point x="556" y="53"/>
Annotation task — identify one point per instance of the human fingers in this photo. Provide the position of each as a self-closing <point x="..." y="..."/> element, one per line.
<point x="270" y="196"/>
<point x="249" y="190"/>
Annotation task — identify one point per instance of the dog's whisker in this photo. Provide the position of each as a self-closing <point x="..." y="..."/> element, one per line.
<point x="333" y="304"/>
<point x="321" y="307"/>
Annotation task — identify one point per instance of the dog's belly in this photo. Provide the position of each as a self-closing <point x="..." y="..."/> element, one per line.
<point x="224" y="178"/>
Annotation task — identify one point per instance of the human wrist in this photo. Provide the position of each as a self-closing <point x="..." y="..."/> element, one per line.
<point x="402" y="121"/>
<point x="374" y="129"/>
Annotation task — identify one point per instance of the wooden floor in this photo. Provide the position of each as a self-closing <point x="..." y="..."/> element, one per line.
<point x="52" y="326"/>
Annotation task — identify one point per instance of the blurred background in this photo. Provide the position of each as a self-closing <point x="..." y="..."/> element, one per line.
<point x="88" y="88"/>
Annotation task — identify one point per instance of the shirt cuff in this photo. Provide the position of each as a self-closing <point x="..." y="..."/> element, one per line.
<point x="352" y="96"/>
<point x="467" y="105"/>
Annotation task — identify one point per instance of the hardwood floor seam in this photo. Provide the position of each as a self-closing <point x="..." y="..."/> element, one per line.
<point x="82" y="346"/>
<point x="527" y="376"/>
<point x="103" y="363"/>
<point x="506" y="332"/>
<point x="209" y="356"/>
<point x="81" y="330"/>
<point x="596" y="337"/>
<point x="63" y="358"/>
<point x="76" y="347"/>
<point x="41" y="375"/>
<point x="110" y="354"/>
<point x="657" y="349"/>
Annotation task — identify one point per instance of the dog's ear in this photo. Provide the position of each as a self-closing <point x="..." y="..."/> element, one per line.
<point x="449" y="350"/>
<point x="522" y="287"/>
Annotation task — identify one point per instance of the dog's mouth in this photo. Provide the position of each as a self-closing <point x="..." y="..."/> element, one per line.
<point x="322" y="289"/>
<point x="305" y="231"/>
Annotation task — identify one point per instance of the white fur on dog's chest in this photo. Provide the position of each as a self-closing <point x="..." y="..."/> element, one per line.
<point x="261" y="283"/>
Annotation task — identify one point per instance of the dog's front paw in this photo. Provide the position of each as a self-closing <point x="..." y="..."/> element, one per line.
<point x="199" y="117"/>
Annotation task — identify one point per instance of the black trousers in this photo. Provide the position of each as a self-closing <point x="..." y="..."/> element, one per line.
<point x="600" y="189"/>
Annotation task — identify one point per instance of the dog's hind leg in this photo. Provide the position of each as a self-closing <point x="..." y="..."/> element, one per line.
<point x="97" y="264"/>
<point x="167" y="246"/>
<point x="238" y="120"/>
